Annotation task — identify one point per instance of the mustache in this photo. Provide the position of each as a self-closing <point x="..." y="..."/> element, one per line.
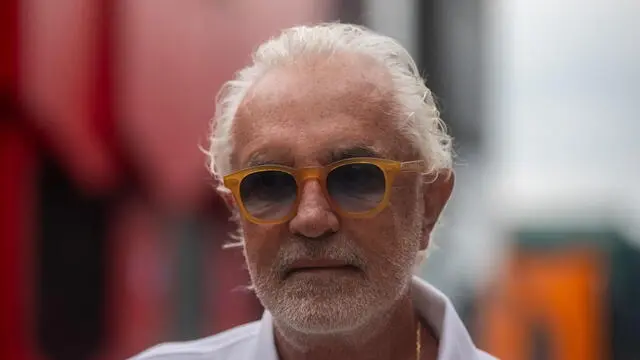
<point x="338" y="249"/>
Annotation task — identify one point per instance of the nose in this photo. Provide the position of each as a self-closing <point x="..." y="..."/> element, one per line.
<point x="314" y="217"/>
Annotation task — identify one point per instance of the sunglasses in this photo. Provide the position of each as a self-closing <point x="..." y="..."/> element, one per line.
<point x="355" y="187"/>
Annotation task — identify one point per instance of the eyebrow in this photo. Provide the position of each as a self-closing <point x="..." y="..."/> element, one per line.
<point x="262" y="158"/>
<point x="256" y="160"/>
<point x="353" y="152"/>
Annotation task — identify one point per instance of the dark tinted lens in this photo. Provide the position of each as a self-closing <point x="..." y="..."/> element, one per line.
<point x="356" y="187"/>
<point x="268" y="195"/>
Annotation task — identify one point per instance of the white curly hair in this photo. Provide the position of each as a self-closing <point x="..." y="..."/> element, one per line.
<point x="420" y="123"/>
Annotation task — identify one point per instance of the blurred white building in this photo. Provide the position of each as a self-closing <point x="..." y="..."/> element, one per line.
<point x="559" y="122"/>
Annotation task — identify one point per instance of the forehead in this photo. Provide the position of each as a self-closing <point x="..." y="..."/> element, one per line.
<point x="301" y="113"/>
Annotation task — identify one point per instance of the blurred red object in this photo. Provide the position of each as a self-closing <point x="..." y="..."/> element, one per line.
<point x="120" y="94"/>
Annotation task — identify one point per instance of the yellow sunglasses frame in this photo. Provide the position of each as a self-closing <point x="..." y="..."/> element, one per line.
<point x="390" y="169"/>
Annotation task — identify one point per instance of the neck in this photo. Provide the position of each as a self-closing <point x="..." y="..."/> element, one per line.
<point x="386" y="337"/>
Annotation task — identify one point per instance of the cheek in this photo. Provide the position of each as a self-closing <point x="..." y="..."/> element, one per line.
<point x="377" y="237"/>
<point x="395" y="232"/>
<point x="404" y="212"/>
<point x="405" y="199"/>
<point x="261" y="244"/>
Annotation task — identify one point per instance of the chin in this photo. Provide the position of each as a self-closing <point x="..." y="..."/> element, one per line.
<point x="315" y="316"/>
<point x="323" y="307"/>
<point x="326" y="305"/>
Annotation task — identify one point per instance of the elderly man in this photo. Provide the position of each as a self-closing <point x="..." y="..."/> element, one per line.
<point x="332" y="154"/>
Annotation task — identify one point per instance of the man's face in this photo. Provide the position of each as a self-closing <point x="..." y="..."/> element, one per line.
<point x="312" y="113"/>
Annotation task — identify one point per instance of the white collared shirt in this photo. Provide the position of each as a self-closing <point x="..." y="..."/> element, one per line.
<point x="255" y="341"/>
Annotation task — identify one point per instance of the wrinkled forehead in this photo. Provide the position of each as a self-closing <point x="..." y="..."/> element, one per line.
<point x="305" y="112"/>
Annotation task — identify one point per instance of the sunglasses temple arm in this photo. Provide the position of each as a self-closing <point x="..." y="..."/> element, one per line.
<point x="417" y="165"/>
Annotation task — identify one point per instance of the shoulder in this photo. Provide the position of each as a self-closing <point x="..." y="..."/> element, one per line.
<point x="484" y="356"/>
<point x="230" y="344"/>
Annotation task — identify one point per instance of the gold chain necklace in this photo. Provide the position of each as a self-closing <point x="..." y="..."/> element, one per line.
<point x="418" y="343"/>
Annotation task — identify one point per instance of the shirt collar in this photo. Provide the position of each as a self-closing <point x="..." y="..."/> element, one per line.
<point x="432" y="305"/>
<point x="266" y="346"/>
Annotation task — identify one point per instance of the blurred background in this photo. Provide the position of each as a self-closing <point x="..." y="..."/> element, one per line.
<point x="111" y="233"/>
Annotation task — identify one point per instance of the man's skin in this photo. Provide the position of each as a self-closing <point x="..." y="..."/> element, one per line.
<point x="314" y="111"/>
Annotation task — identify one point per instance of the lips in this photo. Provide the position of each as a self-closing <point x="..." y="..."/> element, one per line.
<point x="321" y="265"/>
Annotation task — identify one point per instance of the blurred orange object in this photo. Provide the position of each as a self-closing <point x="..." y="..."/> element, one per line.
<point x="551" y="302"/>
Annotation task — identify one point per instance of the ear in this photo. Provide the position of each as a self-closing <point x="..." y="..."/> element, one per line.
<point x="436" y="193"/>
